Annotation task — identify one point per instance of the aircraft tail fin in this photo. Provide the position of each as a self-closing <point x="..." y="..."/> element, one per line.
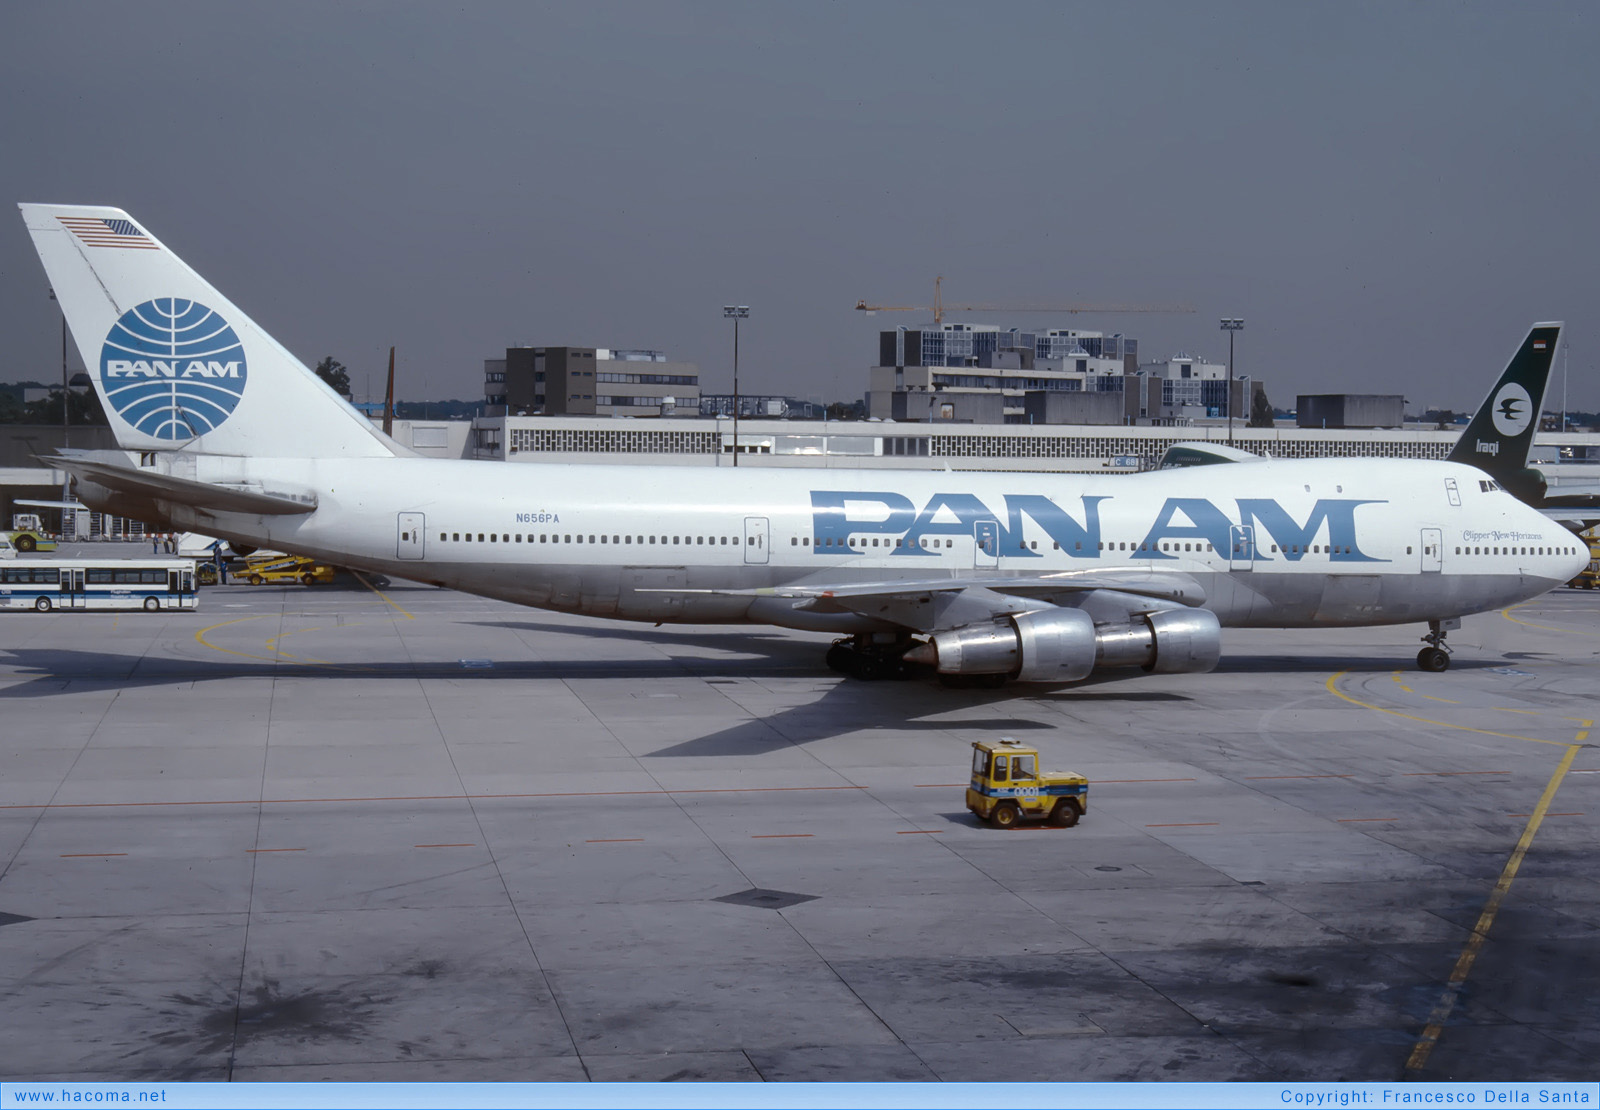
<point x="1498" y="437"/>
<point x="176" y="364"/>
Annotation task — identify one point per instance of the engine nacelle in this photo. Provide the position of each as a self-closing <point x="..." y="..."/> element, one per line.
<point x="1063" y="645"/>
<point x="1050" y="645"/>
<point x="1171" y="641"/>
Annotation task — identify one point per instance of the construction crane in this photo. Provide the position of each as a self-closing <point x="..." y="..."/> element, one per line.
<point x="938" y="307"/>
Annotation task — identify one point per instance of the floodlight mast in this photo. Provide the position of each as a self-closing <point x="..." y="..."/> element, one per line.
<point x="736" y="312"/>
<point x="1230" y="325"/>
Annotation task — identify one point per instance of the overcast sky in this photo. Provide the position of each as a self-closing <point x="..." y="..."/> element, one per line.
<point x="1388" y="194"/>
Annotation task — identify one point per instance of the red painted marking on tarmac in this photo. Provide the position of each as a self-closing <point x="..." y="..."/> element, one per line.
<point x="951" y="785"/>
<point x="1139" y="780"/>
<point x="1184" y="825"/>
<point x="431" y="797"/>
<point x="1269" y="778"/>
<point x="1420" y="774"/>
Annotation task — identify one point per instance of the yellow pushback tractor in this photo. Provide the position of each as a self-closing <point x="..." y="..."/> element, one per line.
<point x="1007" y="787"/>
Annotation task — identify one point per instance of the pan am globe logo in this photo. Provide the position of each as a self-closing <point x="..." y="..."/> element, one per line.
<point x="173" y="369"/>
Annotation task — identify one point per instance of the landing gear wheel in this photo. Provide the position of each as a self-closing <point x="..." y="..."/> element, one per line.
<point x="1005" y="815"/>
<point x="151" y="605"/>
<point x="1436" y="657"/>
<point x="42" y="604"/>
<point x="1433" y="659"/>
<point x="1066" y="813"/>
<point x="868" y="668"/>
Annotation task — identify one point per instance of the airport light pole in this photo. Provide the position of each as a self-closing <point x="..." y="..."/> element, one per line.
<point x="736" y="312"/>
<point x="1231" y="325"/>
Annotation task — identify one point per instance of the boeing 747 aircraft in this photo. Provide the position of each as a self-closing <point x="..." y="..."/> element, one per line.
<point x="979" y="577"/>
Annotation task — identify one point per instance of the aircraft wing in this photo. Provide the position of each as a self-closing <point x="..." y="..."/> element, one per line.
<point x="934" y="604"/>
<point x="123" y="479"/>
<point x="1575" y="518"/>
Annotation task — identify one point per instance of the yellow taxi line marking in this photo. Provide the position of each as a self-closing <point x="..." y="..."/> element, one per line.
<point x="1480" y="931"/>
<point x="387" y="600"/>
<point x="200" y="638"/>
<point x="92" y="855"/>
<point x="1430" y="697"/>
<point x="1333" y="688"/>
<point x="1506" y="613"/>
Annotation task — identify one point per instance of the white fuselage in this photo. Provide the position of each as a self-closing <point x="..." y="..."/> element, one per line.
<point x="1276" y="543"/>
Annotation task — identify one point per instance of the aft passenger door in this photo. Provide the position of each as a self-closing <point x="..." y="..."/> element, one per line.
<point x="755" y="540"/>
<point x="409" y="539"/>
<point x="1432" y="550"/>
<point x="986" y="547"/>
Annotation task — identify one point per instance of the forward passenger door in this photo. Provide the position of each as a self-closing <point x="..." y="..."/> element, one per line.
<point x="755" y="540"/>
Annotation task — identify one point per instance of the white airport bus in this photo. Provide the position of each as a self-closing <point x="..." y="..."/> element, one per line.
<point x="45" y="585"/>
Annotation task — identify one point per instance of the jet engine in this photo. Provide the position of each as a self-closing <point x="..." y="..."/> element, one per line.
<point x="1064" y="645"/>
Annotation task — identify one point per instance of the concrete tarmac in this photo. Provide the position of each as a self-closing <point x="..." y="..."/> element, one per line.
<point x="336" y="833"/>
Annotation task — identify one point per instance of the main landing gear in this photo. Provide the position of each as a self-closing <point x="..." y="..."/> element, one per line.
<point x="870" y="657"/>
<point x="1436" y="656"/>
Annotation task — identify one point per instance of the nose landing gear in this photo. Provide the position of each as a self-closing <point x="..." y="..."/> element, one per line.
<point x="1436" y="656"/>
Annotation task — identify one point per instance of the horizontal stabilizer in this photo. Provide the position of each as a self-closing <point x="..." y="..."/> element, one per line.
<point x="183" y="491"/>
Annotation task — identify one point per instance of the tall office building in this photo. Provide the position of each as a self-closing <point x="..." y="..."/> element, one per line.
<point x="588" y="381"/>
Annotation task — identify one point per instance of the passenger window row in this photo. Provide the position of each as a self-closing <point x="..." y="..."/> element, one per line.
<point x="570" y="537"/>
<point x="1515" y="550"/>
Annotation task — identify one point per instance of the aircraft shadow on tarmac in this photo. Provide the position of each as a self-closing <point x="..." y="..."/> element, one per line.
<point x="844" y="707"/>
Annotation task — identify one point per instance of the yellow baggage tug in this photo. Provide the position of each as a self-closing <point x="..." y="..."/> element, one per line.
<point x="1008" y="787"/>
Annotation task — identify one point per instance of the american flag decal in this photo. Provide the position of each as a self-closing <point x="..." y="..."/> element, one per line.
<point x="97" y="232"/>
